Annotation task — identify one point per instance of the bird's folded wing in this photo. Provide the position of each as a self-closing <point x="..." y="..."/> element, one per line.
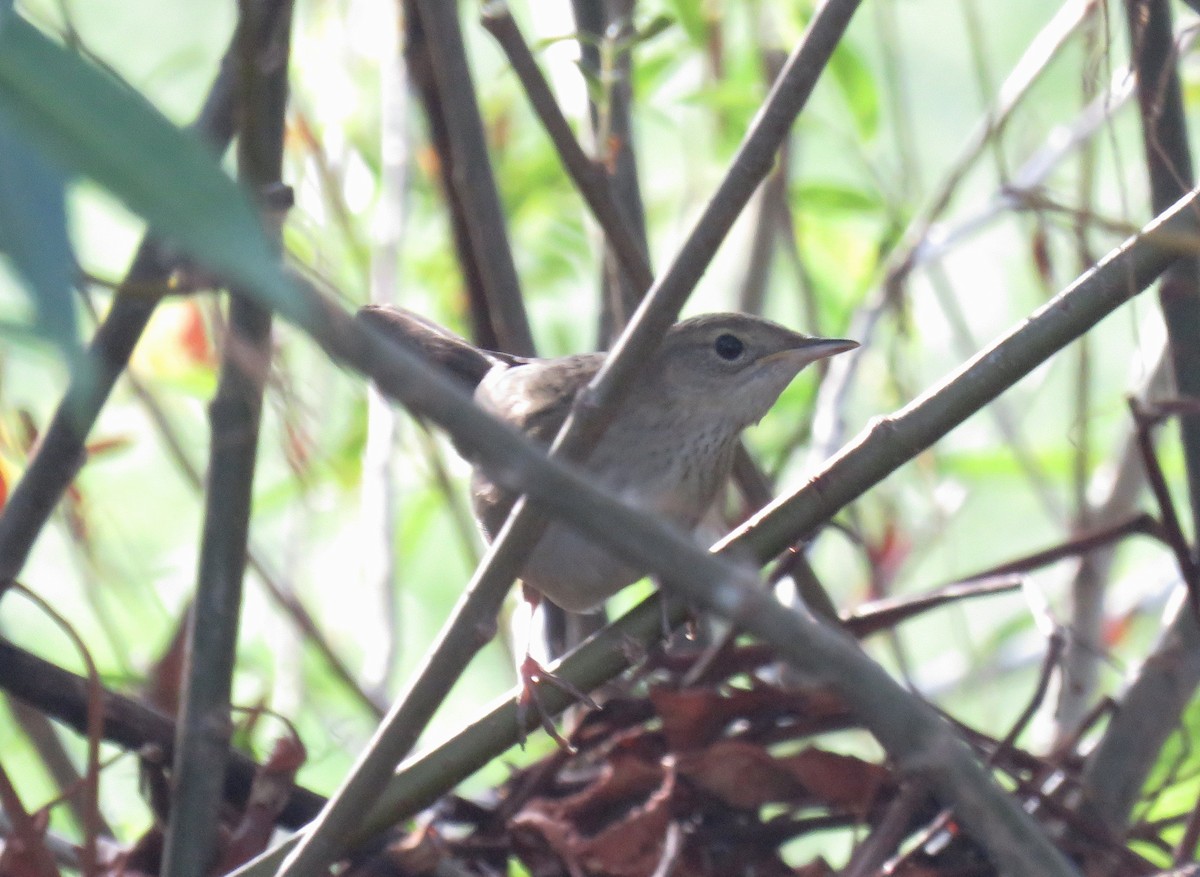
<point x="463" y="360"/>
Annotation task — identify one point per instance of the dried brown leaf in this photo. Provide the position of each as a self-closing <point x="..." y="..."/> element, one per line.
<point x="742" y="775"/>
<point x="273" y="785"/>
<point x="841" y="781"/>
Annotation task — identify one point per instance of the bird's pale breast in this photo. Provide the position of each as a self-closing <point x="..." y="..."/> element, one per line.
<point x="650" y="457"/>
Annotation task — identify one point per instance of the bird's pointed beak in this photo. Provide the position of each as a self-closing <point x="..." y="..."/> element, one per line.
<point x="809" y="350"/>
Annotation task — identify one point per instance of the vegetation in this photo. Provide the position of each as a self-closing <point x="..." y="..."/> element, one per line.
<point x="997" y="495"/>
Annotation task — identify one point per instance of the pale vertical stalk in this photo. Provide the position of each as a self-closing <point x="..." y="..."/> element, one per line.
<point x="1082" y="654"/>
<point x="379" y="505"/>
<point x="1152" y="706"/>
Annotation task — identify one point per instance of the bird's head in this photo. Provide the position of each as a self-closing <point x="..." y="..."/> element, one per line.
<point x="735" y="363"/>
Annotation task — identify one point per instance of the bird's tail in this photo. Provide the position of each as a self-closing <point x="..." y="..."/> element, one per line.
<point x="439" y="345"/>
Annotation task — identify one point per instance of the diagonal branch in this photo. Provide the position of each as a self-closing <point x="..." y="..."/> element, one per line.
<point x="129" y="723"/>
<point x="590" y="178"/>
<point x="912" y="733"/>
<point x="476" y="611"/>
<point x="890" y="441"/>
<point x="1130" y="269"/>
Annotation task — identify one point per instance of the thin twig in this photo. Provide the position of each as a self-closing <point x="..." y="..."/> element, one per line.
<point x="34" y="858"/>
<point x="44" y="739"/>
<point x="1172" y="530"/>
<point x="606" y="43"/>
<point x="1169" y="164"/>
<point x="1054" y="649"/>
<point x="1001" y="411"/>
<point x="93" y="724"/>
<point x="887" y="613"/>
<point x="1003" y="747"/>
<point x="1035" y="61"/>
<point x="472" y="180"/>
<point x="1185" y="850"/>
<point x="891" y="441"/>
<point x="1077" y="546"/>
<point x="1119" y="487"/>
<point x="920" y="246"/>
<point x="1024" y="190"/>
<point x="128" y="723"/>
<point x="1080" y="658"/>
<point x="589" y="177"/>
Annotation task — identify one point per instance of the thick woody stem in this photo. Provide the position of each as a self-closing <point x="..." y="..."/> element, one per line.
<point x="471" y="177"/>
<point x="205" y="725"/>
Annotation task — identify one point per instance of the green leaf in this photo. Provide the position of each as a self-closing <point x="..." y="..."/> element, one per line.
<point x="691" y="16"/>
<point x="857" y="84"/>
<point x="81" y="120"/>
<point x="574" y="37"/>
<point x="33" y="233"/>
<point x="830" y="197"/>
<point x="657" y="25"/>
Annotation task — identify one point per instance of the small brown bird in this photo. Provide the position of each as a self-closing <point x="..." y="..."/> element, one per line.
<point x="669" y="446"/>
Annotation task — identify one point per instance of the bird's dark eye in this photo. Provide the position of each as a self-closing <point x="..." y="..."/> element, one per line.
<point x="728" y="347"/>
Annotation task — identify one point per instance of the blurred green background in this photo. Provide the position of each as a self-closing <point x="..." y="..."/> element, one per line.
<point x="889" y="121"/>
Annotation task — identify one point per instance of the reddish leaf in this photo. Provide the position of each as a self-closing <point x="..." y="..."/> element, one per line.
<point x="1116" y="629"/>
<point x="192" y="334"/>
<point x="25" y="853"/>
<point x="746" y="776"/>
<point x="1041" y="251"/>
<point x="630" y="845"/>
<point x="269" y="793"/>
<point x="816" y="868"/>
<point x="100" y="447"/>
<point x="634" y="846"/>
<point x="742" y="775"/>
<point x="889" y="553"/>
<point x="694" y="717"/>
<point x="429" y="162"/>
<point x="837" y="780"/>
<point x="166" y="676"/>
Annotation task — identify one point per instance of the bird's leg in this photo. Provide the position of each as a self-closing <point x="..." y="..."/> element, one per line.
<point x="691" y="617"/>
<point x="532" y="674"/>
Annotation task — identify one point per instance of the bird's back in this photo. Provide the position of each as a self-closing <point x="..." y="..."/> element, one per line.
<point x="535" y="396"/>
